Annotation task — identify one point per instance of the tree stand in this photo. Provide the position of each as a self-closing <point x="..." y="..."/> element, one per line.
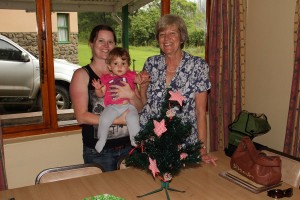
<point x="164" y="185"/>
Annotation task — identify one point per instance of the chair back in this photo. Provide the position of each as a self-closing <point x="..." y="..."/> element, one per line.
<point x="67" y="172"/>
<point x="3" y="180"/>
<point x="121" y="163"/>
<point x="290" y="169"/>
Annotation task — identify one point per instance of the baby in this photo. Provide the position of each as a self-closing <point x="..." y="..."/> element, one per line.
<point x="118" y="63"/>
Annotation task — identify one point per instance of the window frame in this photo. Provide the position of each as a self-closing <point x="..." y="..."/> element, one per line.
<point x="10" y="52"/>
<point x="64" y="28"/>
<point x="50" y="120"/>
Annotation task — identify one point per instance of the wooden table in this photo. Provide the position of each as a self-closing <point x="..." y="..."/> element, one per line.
<point x="199" y="183"/>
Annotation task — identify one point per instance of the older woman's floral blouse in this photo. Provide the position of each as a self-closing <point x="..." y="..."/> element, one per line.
<point x="191" y="77"/>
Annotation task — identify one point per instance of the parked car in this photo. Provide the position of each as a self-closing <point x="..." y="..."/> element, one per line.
<point x="20" y="77"/>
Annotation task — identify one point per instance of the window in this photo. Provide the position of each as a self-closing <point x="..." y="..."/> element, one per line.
<point x="19" y="73"/>
<point x="63" y="27"/>
<point x="15" y="86"/>
<point x="33" y="95"/>
<point x="9" y="52"/>
<point x="36" y="109"/>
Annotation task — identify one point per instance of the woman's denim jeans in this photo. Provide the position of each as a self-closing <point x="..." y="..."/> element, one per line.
<point x="107" y="158"/>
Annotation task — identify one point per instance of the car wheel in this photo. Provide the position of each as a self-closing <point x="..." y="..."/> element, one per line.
<point x="62" y="98"/>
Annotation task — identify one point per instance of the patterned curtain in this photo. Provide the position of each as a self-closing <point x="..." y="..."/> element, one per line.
<point x="292" y="136"/>
<point x="3" y="183"/>
<point x="225" y="55"/>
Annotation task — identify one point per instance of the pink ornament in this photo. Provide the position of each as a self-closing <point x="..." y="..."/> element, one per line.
<point x="183" y="156"/>
<point x="153" y="167"/>
<point x="176" y="96"/>
<point x="167" y="177"/>
<point x="159" y="127"/>
<point x="170" y="113"/>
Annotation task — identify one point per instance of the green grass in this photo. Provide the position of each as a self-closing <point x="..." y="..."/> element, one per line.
<point x="84" y="54"/>
<point x="138" y="54"/>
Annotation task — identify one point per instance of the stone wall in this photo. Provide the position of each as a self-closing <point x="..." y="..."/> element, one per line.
<point x="67" y="51"/>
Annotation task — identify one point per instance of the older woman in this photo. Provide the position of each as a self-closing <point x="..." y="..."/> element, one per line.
<point x="179" y="71"/>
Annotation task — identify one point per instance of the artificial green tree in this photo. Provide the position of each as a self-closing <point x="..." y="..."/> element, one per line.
<point x="161" y="146"/>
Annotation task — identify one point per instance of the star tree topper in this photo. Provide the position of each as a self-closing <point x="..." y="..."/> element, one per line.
<point x="176" y="96"/>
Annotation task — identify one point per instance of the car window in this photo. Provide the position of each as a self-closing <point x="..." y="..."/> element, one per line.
<point x="9" y="52"/>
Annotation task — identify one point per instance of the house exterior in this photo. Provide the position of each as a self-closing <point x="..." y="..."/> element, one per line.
<point x="24" y="32"/>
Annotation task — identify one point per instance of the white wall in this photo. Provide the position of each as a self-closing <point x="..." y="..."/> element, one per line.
<point x="25" y="158"/>
<point x="269" y="64"/>
<point x="14" y="24"/>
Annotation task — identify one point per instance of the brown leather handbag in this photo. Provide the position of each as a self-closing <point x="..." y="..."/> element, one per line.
<point x="255" y="165"/>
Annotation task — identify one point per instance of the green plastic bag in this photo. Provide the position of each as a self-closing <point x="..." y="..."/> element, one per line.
<point x="250" y="124"/>
<point x="246" y="124"/>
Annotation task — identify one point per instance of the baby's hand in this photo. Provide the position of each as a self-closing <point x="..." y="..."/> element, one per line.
<point x="96" y="83"/>
<point x="99" y="88"/>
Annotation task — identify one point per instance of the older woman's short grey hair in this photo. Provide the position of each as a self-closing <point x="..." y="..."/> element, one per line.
<point x="176" y="20"/>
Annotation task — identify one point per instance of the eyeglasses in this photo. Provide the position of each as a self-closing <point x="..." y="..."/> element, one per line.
<point x="278" y="193"/>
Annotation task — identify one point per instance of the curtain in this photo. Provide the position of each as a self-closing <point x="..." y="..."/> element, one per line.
<point x="3" y="183"/>
<point x="292" y="136"/>
<point x="225" y="55"/>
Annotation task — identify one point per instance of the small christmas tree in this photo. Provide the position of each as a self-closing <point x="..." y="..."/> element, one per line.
<point x="162" y="149"/>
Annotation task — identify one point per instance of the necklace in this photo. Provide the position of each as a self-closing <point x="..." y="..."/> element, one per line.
<point x="174" y="70"/>
<point x="171" y="71"/>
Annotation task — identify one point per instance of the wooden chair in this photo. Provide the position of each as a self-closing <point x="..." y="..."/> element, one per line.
<point x="121" y="163"/>
<point x="3" y="180"/>
<point x="67" y="172"/>
<point x="290" y="168"/>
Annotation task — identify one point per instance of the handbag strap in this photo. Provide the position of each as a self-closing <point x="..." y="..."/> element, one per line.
<point x="248" y="145"/>
<point x="239" y="121"/>
<point x="259" y="157"/>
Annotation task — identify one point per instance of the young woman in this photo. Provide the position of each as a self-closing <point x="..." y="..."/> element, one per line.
<point x="88" y="107"/>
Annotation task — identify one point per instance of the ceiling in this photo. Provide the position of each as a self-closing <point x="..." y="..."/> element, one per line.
<point x="110" y="6"/>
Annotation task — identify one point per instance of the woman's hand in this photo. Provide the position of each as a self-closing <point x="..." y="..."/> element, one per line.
<point x="124" y="91"/>
<point x="206" y="158"/>
<point x="143" y="86"/>
<point x="142" y="78"/>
